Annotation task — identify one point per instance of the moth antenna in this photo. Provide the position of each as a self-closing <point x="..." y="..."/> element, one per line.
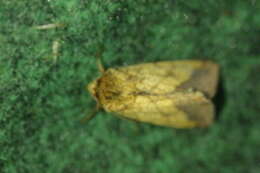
<point x="91" y="115"/>
<point x="100" y="66"/>
<point x="99" y="54"/>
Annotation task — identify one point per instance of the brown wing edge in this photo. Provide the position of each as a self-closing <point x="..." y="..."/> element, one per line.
<point x="204" y="79"/>
<point x="201" y="113"/>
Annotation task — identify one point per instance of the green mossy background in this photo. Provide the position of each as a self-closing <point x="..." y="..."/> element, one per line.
<point x="43" y="100"/>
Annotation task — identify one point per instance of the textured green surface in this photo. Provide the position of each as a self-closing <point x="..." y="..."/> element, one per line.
<point x="42" y="101"/>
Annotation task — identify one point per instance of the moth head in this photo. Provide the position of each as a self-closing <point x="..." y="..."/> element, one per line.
<point x="92" y="88"/>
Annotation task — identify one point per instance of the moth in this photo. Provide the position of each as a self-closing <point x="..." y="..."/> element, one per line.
<point x="169" y="93"/>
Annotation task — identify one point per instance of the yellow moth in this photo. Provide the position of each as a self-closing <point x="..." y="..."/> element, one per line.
<point x="168" y="93"/>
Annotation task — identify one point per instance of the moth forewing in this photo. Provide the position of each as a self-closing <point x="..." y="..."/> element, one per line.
<point x="203" y="78"/>
<point x="170" y="93"/>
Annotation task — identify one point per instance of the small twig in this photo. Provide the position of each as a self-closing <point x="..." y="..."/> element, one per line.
<point x="55" y="50"/>
<point x="49" y="26"/>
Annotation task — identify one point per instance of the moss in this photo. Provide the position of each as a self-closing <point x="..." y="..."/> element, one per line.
<point x="42" y="101"/>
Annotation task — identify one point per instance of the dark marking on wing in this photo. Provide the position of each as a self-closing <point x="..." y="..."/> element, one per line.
<point x="202" y="113"/>
<point x="203" y="79"/>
